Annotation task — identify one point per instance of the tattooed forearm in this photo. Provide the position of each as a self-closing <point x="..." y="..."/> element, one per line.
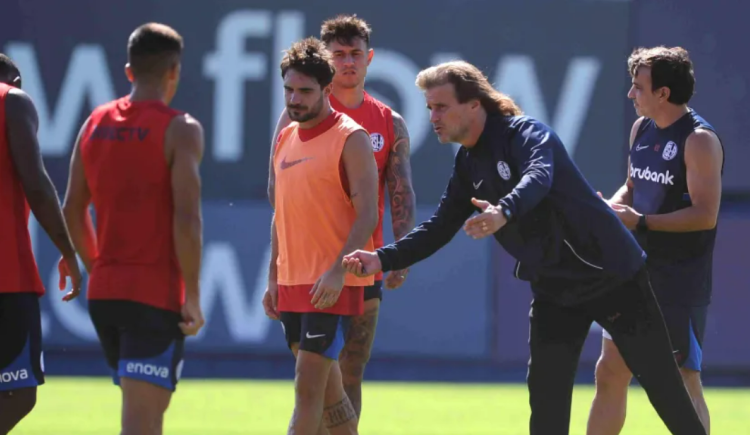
<point x="398" y="177"/>
<point x="339" y="413"/>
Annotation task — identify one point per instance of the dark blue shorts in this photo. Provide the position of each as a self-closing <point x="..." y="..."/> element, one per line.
<point x="320" y="333"/>
<point x="686" y="326"/>
<point x="374" y="291"/>
<point x="21" y="356"/>
<point x="139" y="341"/>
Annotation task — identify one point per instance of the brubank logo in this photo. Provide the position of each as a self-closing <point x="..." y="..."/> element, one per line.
<point x="649" y="175"/>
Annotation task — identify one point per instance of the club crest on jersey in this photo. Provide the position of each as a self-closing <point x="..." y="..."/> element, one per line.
<point x="670" y="150"/>
<point x="504" y="170"/>
<point x="377" y="141"/>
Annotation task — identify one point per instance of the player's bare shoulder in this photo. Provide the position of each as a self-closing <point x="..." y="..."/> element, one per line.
<point x="18" y="104"/>
<point x="704" y="142"/>
<point x="184" y="134"/>
<point x="359" y="141"/>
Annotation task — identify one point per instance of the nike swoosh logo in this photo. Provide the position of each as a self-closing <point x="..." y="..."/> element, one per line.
<point x="639" y="147"/>
<point x="314" y="336"/>
<point x="286" y="165"/>
<point x="476" y="185"/>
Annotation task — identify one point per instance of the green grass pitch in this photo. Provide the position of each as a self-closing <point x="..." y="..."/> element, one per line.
<point x="81" y="406"/>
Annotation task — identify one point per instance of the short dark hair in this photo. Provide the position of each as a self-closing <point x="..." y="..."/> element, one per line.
<point x="153" y="49"/>
<point x="670" y="67"/>
<point x="309" y="57"/>
<point x="345" y="29"/>
<point x="8" y="69"/>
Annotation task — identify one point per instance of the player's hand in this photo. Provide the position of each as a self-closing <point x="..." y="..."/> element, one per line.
<point x="362" y="263"/>
<point x="395" y="279"/>
<point x="192" y="317"/>
<point x="68" y="267"/>
<point x="627" y="215"/>
<point x="270" y="299"/>
<point x="486" y="223"/>
<point x="327" y="289"/>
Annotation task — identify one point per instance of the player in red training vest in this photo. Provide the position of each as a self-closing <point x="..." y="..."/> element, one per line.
<point x="137" y="160"/>
<point x="348" y="39"/>
<point x="24" y="187"/>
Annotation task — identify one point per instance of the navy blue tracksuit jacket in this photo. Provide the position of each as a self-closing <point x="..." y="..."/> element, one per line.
<point x="567" y="241"/>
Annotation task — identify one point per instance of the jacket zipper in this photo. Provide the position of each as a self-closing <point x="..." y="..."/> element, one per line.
<point x="579" y="257"/>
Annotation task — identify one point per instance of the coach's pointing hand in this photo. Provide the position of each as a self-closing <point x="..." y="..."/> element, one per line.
<point x="362" y="263"/>
<point x="486" y="223"/>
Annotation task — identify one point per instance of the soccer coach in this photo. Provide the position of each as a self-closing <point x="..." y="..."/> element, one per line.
<point x="582" y="263"/>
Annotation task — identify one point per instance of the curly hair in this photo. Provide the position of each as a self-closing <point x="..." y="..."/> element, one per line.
<point x="309" y="57"/>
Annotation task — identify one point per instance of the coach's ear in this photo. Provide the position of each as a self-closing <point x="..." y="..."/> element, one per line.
<point x="328" y="89"/>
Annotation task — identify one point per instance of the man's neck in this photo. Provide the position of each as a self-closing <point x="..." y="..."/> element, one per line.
<point x="146" y="92"/>
<point x="317" y="120"/>
<point x="350" y="98"/>
<point x="669" y="115"/>
<point x="475" y="130"/>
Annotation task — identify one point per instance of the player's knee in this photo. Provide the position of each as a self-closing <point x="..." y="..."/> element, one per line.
<point x="307" y="380"/>
<point x="611" y="374"/>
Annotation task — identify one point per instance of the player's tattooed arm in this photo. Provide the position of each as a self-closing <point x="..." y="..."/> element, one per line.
<point x="400" y="191"/>
<point x="398" y="177"/>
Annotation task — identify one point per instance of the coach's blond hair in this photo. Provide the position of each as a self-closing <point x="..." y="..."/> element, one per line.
<point x="470" y="84"/>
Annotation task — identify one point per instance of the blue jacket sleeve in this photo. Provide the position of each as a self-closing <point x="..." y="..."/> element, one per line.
<point x="532" y="151"/>
<point x="429" y="236"/>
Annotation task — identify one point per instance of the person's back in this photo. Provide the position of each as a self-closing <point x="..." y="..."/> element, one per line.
<point x="138" y="162"/>
<point x="130" y="182"/>
<point x="18" y="267"/>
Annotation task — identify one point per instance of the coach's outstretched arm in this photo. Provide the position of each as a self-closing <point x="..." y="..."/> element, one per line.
<point x="362" y="175"/>
<point x="424" y="240"/>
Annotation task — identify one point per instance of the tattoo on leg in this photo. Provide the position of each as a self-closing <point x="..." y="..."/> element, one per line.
<point x="356" y="354"/>
<point x="358" y="345"/>
<point x="339" y="413"/>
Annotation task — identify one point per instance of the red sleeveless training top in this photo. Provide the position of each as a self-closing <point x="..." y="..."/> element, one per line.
<point x="130" y="182"/>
